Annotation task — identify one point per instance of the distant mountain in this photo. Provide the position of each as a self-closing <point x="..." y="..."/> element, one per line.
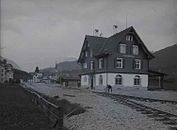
<point x="65" y="67"/>
<point x="166" y="61"/>
<point x="68" y="66"/>
<point x="12" y="63"/>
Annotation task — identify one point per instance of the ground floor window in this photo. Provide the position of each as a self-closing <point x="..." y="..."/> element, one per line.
<point x="118" y="80"/>
<point x="100" y="80"/>
<point x="137" y="80"/>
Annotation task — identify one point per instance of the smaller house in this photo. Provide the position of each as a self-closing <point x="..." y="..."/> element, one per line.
<point x="2" y="73"/>
<point x="6" y="72"/>
<point x="69" y="81"/>
<point x="37" y="77"/>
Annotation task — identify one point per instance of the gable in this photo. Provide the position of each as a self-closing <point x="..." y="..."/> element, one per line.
<point x="117" y="38"/>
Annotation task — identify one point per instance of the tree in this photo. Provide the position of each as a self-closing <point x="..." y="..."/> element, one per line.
<point x="37" y="69"/>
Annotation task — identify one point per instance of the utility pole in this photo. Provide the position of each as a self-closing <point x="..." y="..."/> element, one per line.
<point x="61" y="74"/>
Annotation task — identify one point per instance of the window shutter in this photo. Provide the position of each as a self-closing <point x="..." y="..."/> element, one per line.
<point x="118" y="47"/>
<point x="133" y="64"/>
<point x="115" y="63"/>
<point x="123" y="63"/>
<point x="141" y="64"/>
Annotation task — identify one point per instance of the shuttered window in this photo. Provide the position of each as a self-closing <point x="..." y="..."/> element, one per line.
<point x="119" y="63"/>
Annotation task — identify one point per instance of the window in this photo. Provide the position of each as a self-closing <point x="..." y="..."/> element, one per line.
<point x="100" y="80"/>
<point x="129" y="37"/>
<point x="137" y="80"/>
<point x="123" y="48"/>
<point x="135" y="50"/>
<point x="85" y="65"/>
<point x="119" y="63"/>
<point x="91" y="65"/>
<point x="118" y="80"/>
<point x="91" y="53"/>
<point x="85" y="78"/>
<point x="100" y="63"/>
<point x="137" y="64"/>
<point x="86" y="53"/>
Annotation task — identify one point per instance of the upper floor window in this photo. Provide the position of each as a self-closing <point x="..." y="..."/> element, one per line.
<point x="137" y="64"/>
<point x="135" y="50"/>
<point x="85" y="65"/>
<point x="129" y="37"/>
<point x="86" y="53"/>
<point x="91" y="65"/>
<point x="118" y="80"/>
<point x="137" y="80"/>
<point x="119" y="63"/>
<point x="100" y="63"/>
<point x="123" y="48"/>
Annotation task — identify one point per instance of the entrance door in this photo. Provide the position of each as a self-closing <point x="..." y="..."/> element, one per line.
<point x="92" y="81"/>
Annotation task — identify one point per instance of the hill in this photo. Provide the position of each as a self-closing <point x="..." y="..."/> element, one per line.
<point x="65" y="67"/>
<point x="12" y="63"/>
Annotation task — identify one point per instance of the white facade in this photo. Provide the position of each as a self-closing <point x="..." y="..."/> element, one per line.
<point x="37" y="77"/>
<point x="102" y="79"/>
<point x="2" y="74"/>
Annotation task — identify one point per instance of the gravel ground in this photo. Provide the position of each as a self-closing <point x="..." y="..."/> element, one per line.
<point x="102" y="113"/>
<point x="17" y="112"/>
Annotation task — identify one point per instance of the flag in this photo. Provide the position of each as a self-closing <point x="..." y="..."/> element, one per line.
<point x="96" y="30"/>
<point x="115" y="26"/>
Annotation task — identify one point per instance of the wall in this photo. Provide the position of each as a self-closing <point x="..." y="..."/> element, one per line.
<point x="128" y="79"/>
<point x="83" y="82"/>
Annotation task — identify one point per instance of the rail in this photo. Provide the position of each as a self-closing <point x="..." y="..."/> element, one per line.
<point x="54" y="113"/>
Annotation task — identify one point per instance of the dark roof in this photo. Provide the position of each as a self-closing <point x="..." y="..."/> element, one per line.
<point x="95" y="43"/>
<point x="156" y="73"/>
<point x="166" y="61"/>
<point x="103" y="46"/>
<point x="117" y="38"/>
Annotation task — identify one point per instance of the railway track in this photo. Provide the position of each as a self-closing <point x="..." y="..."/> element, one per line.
<point x="141" y="98"/>
<point x="158" y="115"/>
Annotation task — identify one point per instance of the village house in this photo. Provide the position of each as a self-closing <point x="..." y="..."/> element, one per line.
<point x="2" y="74"/>
<point x="6" y="70"/>
<point x="119" y="60"/>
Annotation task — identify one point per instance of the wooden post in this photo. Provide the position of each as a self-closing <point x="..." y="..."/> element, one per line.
<point x="60" y="118"/>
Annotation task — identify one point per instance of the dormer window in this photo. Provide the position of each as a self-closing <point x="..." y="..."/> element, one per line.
<point x="129" y="37"/>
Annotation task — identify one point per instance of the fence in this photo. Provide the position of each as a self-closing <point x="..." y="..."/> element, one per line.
<point x="53" y="112"/>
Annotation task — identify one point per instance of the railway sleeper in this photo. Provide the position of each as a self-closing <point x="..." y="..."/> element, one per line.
<point x="170" y="122"/>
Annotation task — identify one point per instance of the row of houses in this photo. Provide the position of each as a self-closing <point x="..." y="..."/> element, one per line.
<point x="121" y="60"/>
<point x="66" y="79"/>
<point x="6" y="72"/>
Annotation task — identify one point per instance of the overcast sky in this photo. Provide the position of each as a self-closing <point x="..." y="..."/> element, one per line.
<point x="41" y="32"/>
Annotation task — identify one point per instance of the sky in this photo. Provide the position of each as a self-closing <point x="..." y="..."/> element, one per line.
<point x="43" y="32"/>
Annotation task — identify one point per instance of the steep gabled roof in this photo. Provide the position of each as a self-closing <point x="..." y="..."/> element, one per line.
<point x="117" y="38"/>
<point x="94" y="42"/>
<point x="102" y="45"/>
